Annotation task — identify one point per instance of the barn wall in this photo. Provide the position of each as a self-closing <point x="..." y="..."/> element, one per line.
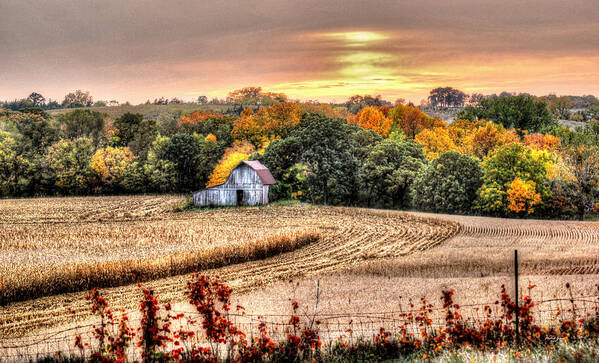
<point x="241" y="178"/>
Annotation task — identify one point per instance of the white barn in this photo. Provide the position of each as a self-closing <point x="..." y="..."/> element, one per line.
<point x="247" y="184"/>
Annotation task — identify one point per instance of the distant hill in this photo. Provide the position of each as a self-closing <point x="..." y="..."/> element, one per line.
<point x="150" y="111"/>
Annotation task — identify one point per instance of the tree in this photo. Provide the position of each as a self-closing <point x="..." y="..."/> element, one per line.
<point x="483" y="141"/>
<point x="522" y="196"/>
<point x="83" y="123"/>
<point x="70" y="160"/>
<point x="357" y="102"/>
<point x="223" y="169"/>
<point x="475" y="98"/>
<point x="499" y="171"/>
<point x="209" y="122"/>
<point x="435" y="142"/>
<point x="582" y="166"/>
<point x="411" y="120"/>
<point x="37" y="100"/>
<point x="447" y="97"/>
<point x="389" y="171"/>
<point x="183" y="150"/>
<point x="14" y="168"/>
<point x="78" y="98"/>
<point x="448" y="184"/>
<point x="545" y="142"/>
<point x="202" y="100"/>
<point x="110" y="164"/>
<point x="267" y="124"/>
<point x="38" y="132"/>
<point x="372" y="118"/>
<point x="253" y="96"/>
<point x="520" y="112"/>
<point x="559" y="106"/>
<point x="127" y="126"/>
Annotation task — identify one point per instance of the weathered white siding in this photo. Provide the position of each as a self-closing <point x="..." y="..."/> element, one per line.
<point x="242" y="178"/>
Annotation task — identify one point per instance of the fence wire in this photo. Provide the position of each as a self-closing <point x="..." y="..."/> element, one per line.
<point x="330" y="326"/>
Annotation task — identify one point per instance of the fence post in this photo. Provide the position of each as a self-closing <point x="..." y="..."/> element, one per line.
<point x="517" y="317"/>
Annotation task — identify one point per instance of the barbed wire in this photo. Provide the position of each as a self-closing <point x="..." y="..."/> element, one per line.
<point x="356" y="321"/>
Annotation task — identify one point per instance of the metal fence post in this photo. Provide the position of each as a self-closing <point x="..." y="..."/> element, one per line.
<point x="517" y="317"/>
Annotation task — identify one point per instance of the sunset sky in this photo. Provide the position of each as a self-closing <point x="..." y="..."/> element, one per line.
<point x="326" y="50"/>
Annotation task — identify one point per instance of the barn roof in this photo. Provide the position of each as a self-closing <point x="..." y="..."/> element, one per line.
<point x="262" y="171"/>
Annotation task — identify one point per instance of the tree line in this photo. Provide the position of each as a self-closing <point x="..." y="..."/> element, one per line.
<point x="506" y="156"/>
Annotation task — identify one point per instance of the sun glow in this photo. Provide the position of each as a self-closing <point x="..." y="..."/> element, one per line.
<point x="357" y="38"/>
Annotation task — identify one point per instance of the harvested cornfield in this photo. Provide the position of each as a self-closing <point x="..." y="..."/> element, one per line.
<point x="347" y="237"/>
<point x="51" y="246"/>
<point x="485" y="247"/>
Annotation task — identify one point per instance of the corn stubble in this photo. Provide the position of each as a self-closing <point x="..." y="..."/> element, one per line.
<point x="58" y="245"/>
<point x="163" y="243"/>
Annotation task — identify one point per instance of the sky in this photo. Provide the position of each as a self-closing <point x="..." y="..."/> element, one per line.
<point x="320" y="50"/>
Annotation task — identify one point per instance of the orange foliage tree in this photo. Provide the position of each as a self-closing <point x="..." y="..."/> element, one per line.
<point x="489" y="138"/>
<point x="196" y="117"/>
<point x="372" y="118"/>
<point x="210" y="138"/>
<point x="110" y="163"/>
<point x="460" y="130"/>
<point x="411" y="120"/>
<point x="435" y="142"/>
<point x="522" y="196"/>
<point x="545" y="142"/>
<point x="267" y="124"/>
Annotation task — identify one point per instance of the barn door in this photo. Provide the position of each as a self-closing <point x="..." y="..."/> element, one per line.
<point x="239" y="197"/>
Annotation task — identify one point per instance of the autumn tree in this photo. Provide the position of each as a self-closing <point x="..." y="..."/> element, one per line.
<point x="110" y="164"/>
<point x="372" y="118"/>
<point x="435" y="142"/>
<point x="545" y="142"/>
<point x="233" y="156"/>
<point x="411" y="120"/>
<point x="70" y="160"/>
<point x="559" y="106"/>
<point x="208" y="122"/>
<point x="485" y="140"/>
<point x="267" y="124"/>
<point x="522" y="196"/>
<point x="357" y="102"/>
<point x="499" y="171"/>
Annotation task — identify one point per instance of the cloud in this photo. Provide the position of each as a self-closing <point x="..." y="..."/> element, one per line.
<point x="143" y="49"/>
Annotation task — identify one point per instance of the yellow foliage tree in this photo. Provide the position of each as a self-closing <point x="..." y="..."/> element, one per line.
<point x="110" y="163"/>
<point x="223" y="169"/>
<point x="235" y="154"/>
<point x="522" y="196"/>
<point x="268" y="123"/>
<point x="210" y="138"/>
<point x="487" y="139"/>
<point x="460" y="130"/>
<point x="435" y="142"/>
<point x="374" y="119"/>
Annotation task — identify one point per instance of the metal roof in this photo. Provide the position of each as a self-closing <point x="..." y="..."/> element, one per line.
<point x="262" y="171"/>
